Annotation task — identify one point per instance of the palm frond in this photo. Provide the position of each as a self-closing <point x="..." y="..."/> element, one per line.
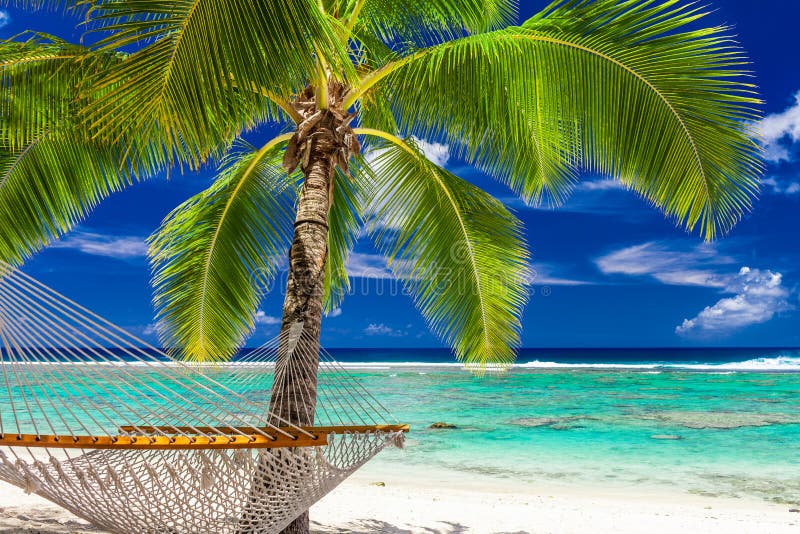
<point x="215" y="253"/>
<point x="202" y="70"/>
<point x="52" y="174"/>
<point x="375" y="111"/>
<point x="370" y="51"/>
<point x="345" y="223"/>
<point x="421" y="21"/>
<point x="49" y="186"/>
<point x="624" y="89"/>
<point x="459" y="252"/>
<point x="38" y="77"/>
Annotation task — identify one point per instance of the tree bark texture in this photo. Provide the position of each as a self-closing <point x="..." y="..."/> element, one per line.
<point x="323" y="141"/>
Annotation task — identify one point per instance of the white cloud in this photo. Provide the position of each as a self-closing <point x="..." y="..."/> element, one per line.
<point x="544" y="274"/>
<point x="779" y="126"/>
<point x="780" y="187"/>
<point x="120" y="247"/>
<point x="150" y="329"/>
<point x="336" y="312"/>
<point x="361" y="265"/>
<point x="758" y="296"/>
<point x="5" y="18"/>
<point x="436" y="152"/>
<point x="381" y="329"/>
<point x="669" y="263"/>
<point x="263" y="318"/>
<point x="600" y="185"/>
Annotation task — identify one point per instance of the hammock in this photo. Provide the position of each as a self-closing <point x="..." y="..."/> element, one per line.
<point x="112" y="429"/>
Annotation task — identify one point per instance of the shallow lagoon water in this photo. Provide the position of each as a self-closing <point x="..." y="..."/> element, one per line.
<point x="718" y="427"/>
<point x="707" y="432"/>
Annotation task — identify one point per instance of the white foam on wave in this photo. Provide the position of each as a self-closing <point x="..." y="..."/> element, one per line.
<point x="394" y="365"/>
<point x="777" y="363"/>
<point x="536" y="364"/>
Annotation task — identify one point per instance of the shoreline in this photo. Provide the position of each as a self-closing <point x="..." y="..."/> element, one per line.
<point x="392" y="499"/>
<point x="439" y="506"/>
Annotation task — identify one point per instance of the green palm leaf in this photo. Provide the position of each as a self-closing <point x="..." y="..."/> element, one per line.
<point x="623" y="89"/>
<point x="215" y="253"/>
<point x="36" y="77"/>
<point x="345" y="223"/>
<point x="51" y="172"/>
<point x="420" y="21"/>
<point x="202" y="69"/>
<point x="49" y="186"/>
<point x="459" y="252"/>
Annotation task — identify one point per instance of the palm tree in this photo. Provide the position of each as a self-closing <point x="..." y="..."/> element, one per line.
<point x="636" y="90"/>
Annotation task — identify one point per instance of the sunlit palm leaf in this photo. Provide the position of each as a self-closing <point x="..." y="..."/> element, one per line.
<point x="345" y="221"/>
<point x="39" y="76"/>
<point x="49" y="186"/>
<point x="376" y="112"/>
<point x="51" y="173"/>
<point x="459" y="252"/>
<point x="623" y="88"/>
<point x="213" y="255"/>
<point x="420" y="21"/>
<point x="200" y="69"/>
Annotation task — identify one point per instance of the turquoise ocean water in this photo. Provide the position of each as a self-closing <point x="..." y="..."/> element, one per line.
<point x="708" y="422"/>
<point x="712" y="422"/>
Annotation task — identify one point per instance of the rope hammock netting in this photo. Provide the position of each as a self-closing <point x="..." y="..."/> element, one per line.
<point x="117" y="432"/>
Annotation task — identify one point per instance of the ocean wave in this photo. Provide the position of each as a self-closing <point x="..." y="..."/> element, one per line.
<point x="536" y="364"/>
<point x="778" y="363"/>
<point x="394" y="365"/>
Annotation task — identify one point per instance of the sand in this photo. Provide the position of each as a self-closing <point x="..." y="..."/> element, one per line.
<point x="439" y="502"/>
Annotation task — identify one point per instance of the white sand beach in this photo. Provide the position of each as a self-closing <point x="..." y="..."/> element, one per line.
<point x="439" y="502"/>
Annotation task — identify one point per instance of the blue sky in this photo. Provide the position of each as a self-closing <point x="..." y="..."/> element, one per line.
<point x="610" y="271"/>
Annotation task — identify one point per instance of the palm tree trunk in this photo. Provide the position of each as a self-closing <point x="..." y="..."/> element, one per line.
<point x="323" y="141"/>
<point x="294" y="394"/>
<point x="294" y="398"/>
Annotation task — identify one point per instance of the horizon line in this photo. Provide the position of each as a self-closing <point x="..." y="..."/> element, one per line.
<point x="731" y="347"/>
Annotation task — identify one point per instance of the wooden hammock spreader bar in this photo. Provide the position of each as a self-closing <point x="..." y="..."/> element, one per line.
<point x="182" y="442"/>
<point x="352" y="429"/>
<point x="253" y="441"/>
